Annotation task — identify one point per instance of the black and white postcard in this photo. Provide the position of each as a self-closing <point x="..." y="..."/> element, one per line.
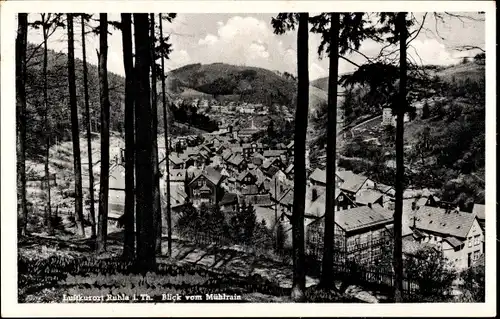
<point x="269" y="158"/>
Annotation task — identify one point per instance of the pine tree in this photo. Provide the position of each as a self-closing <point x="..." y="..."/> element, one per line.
<point x="157" y="215"/>
<point x="144" y="172"/>
<point x="21" y="43"/>
<point x="75" y="132"/>
<point x="85" y="18"/>
<point x="129" y="235"/>
<point x="102" y="230"/>
<point x="282" y="23"/>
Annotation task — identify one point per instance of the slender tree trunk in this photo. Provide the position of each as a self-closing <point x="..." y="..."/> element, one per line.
<point x="144" y="171"/>
<point x="154" y="159"/>
<point x="89" y="136"/>
<point x="48" y="204"/>
<point x="167" y="146"/>
<point x="299" y="182"/>
<point x="75" y="132"/>
<point x="129" y="239"/>
<point x="21" y="43"/>
<point x="398" y="213"/>
<point x="331" y="154"/>
<point x="102" y="229"/>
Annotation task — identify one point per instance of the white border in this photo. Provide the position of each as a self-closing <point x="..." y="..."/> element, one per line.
<point x="10" y="307"/>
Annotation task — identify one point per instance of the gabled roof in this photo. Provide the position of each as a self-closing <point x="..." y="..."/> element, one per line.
<point x="259" y="175"/>
<point x="177" y="175"/>
<point x="317" y="208"/>
<point x="287" y="198"/>
<point x="446" y="222"/>
<point x="176" y="159"/>
<point x="367" y="196"/>
<point x="352" y="182"/>
<point x="271" y="171"/>
<point x="226" y="154"/>
<point x="319" y="175"/>
<point x="211" y="174"/>
<point x="236" y="160"/>
<point x="290" y="145"/>
<point x="243" y="174"/>
<point x="289" y="169"/>
<point x="361" y="217"/>
<point x="478" y="209"/>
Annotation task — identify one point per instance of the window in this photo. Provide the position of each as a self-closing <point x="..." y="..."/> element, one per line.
<point x="470" y="241"/>
<point x="476" y="254"/>
<point x="476" y="240"/>
<point x="341" y="198"/>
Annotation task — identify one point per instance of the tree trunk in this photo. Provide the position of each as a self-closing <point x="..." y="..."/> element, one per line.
<point x="75" y="132"/>
<point x="331" y="154"/>
<point x="89" y="136"/>
<point x="102" y="229"/>
<point x="154" y="159"/>
<point x="398" y="213"/>
<point x="21" y="43"/>
<point x="299" y="182"/>
<point x="167" y="149"/>
<point x="144" y="171"/>
<point x="48" y="204"/>
<point x="129" y="237"/>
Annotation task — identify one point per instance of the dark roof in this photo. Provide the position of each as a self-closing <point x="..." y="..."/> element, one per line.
<point x="176" y="159"/>
<point x="271" y="170"/>
<point x="453" y="241"/>
<point x="211" y="174"/>
<point x="259" y="199"/>
<point x="442" y="221"/>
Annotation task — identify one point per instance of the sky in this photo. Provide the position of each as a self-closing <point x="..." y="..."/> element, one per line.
<point x="248" y="39"/>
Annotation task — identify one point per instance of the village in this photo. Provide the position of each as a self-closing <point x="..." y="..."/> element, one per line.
<point x="229" y="168"/>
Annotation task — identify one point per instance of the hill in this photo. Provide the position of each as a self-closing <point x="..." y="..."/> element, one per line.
<point x="236" y="83"/>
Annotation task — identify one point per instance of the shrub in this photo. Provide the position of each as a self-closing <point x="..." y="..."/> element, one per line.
<point x="473" y="285"/>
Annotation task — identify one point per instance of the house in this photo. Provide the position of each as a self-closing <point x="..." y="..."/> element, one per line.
<point x="352" y="182"/>
<point x="317" y="207"/>
<point x="318" y="178"/>
<point x="251" y="148"/>
<point x="361" y="233"/>
<point x="206" y="187"/>
<point x="246" y="178"/>
<point x="176" y="161"/>
<point x="276" y="162"/>
<point x="458" y="234"/>
<point x="237" y="163"/>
